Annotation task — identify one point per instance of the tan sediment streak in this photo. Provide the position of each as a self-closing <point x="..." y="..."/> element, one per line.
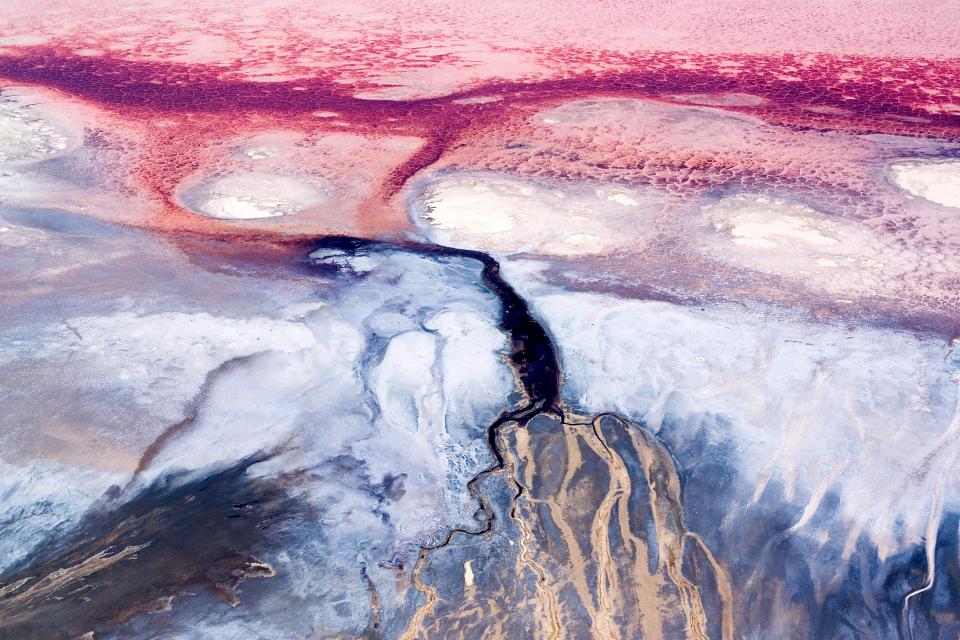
<point x="48" y="585"/>
<point x="723" y="586"/>
<point x="664" y="487"/>
<point x="601" y="617"/>
<point x="415" y="627"/>
<point x="646" y="586"/>
<point x="546" y="597"/>
<point x="602" y="625"/>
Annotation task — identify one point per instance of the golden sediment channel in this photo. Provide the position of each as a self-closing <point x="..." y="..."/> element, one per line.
<point x="592" y="543"/>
